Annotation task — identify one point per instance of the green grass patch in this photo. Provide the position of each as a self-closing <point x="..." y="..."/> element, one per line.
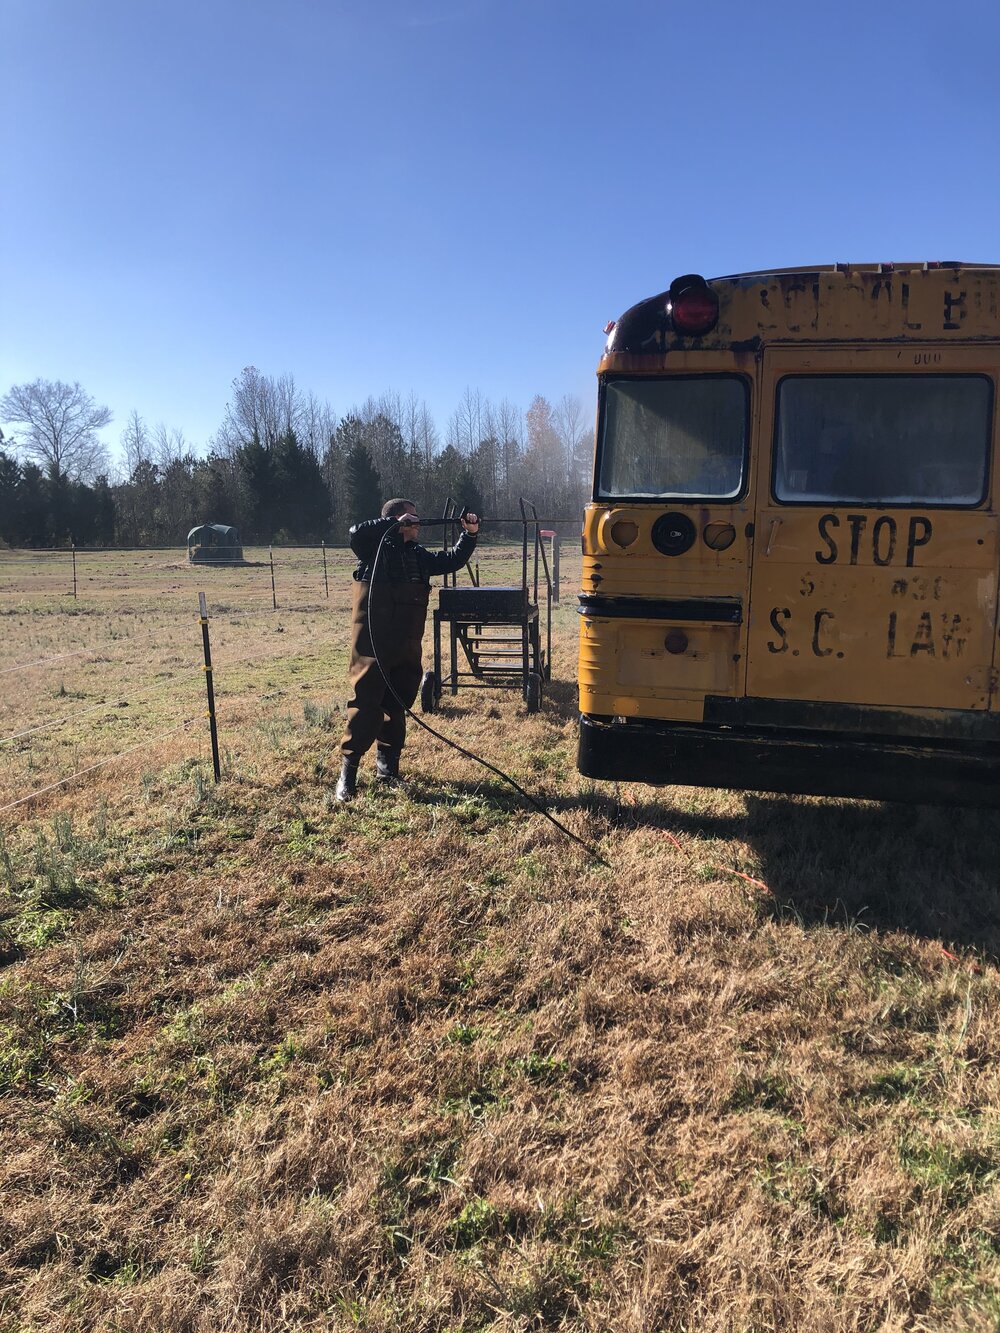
<point x="478" y="1221"/>
<point x="956" y="1174"/>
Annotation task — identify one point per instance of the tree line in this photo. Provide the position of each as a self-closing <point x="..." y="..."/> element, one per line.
<point x="282" y="467"/>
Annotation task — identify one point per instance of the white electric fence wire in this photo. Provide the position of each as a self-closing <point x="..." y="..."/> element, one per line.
<point x="44" y="661"/>
<point x="102" y="763"/>
<point x="115" y="702"/>
<point x="296" y="684"/>
<point x="218" y="614"/>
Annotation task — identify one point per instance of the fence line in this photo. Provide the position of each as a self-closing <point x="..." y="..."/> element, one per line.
<point x="156" y="689"/>
<point x="297" y="684"/>
<point x="163" y="685"/>
<point x="324" y="676"/>
<point x="95" y="708"/>
<point x="47" y="575"/>
<point x="102" y="763"/>
<point x="227" y="610"/>
<point x="43" y="661"/>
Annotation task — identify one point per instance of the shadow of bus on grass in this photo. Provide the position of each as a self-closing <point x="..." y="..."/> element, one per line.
<point x="929" y="870"/>
<point x="933" y="871"/>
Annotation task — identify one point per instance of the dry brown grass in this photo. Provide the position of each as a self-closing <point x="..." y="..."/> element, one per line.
<point x="269" y="1064"/>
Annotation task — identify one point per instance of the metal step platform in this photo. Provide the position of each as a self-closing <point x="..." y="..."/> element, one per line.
<point x="484" y="651"/>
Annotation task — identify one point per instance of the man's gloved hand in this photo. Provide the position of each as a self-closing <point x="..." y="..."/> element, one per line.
<point x="470" y="522"/>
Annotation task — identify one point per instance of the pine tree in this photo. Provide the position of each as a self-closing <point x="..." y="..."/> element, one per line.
<point x="10" y="479"/>
<point x="217" y="492"/>
<point x="469" y="493"/>
<point x="32" y="507"/>
<point x="258" y="475"/>
<point x="60" y="506"/>
<point x="104" y="521"/>
<point x="449" y="471"/>
<point x="303" y="502"/>
<point x="364" y="489"/>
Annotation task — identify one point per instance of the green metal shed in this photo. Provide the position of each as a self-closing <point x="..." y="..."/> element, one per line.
<point x="218" y="542"/>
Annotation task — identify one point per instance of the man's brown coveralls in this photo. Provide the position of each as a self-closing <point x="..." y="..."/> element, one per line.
<point x="398" y="608"/>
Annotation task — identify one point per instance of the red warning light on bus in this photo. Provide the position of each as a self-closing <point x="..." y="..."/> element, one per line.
<point x="693" y="306"/>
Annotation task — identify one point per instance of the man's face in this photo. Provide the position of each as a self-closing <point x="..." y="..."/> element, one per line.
<point x="410" y="531"/>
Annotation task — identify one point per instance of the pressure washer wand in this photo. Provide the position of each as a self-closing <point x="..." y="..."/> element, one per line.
<point x="435" y="522"/>
<point x="541" y="522"/>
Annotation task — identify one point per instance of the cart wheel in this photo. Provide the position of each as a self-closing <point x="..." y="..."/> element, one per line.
<point x="533" y="698"/>
<point x="428" y="692"/>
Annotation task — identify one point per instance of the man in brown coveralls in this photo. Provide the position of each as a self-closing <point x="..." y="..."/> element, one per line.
<point x="398" y="613"/>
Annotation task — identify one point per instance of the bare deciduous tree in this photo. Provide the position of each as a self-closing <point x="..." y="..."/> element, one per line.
<point x="262" y="408"/>
<point x="61" y="422"/>
<point x="318" y="425"/>
<point x="465" y="429"/>
<point x="508" y="426"/>
<point x="545" y="462"/>
<point x="577" y="436"/>
<point x="135" y="442"/>
<point x="170" y="446"/>
<point x="419" y="435"/>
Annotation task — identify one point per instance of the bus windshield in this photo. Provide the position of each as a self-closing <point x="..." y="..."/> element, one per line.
<point x="673" y="437"/>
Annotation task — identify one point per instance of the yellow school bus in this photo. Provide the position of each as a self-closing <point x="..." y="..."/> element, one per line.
<point x="790" y="559"/>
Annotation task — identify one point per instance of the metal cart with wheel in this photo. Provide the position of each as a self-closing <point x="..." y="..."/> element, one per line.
<point x="494" y="634"/>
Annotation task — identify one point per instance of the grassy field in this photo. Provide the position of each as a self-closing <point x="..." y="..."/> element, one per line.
<point x="419" y="1064"/>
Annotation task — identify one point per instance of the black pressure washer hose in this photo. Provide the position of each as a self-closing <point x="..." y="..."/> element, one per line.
<point x="591" y="851"/>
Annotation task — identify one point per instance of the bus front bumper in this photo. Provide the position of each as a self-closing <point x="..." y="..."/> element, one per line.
<point x="808" y="763"/>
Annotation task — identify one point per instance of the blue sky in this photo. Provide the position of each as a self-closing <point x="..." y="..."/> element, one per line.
<point x="443" y="194"/>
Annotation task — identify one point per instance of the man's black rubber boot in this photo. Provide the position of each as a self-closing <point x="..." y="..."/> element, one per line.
<point x="347" y="783"/>
<point x="387" y="767"/>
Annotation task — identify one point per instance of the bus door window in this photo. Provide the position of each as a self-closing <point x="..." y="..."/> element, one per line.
<point x="883" y="440"/>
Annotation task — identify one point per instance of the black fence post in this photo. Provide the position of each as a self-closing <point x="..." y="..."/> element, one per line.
<point x="555" y="567"/>
<point x="210" y="687"/>
<point x="326" y="581"/>
<point x="74" y="570"/>
<point x="274" y="595"/>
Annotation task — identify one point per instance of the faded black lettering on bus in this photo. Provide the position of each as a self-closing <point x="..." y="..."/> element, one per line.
<point x="881" y="538"/>
<point x="821" y="632"/>
<point x="954" y="310"/>
<point x="779" y="615"/>
<point x="933" y="634"/>
<point x="820" y="649"/>
<point x="919" y="588"/>
<point x="940" y="635"/>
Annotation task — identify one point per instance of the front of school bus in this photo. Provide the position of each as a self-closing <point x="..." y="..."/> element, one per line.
<point x="790" y="559"/>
